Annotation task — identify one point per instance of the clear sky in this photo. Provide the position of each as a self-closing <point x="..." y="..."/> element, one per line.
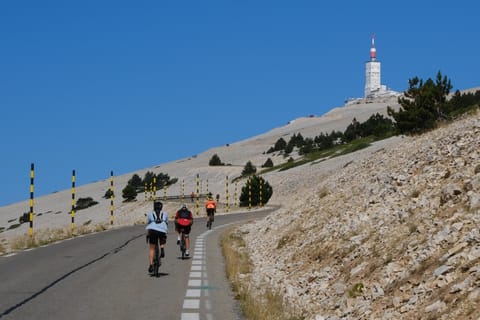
<point x="125" y="85"/>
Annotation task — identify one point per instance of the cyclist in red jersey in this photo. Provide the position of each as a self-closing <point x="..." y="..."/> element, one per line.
<point x="183" y="223"/>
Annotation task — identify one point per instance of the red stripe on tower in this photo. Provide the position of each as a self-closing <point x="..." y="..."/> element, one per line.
<point x="373" y="51"/>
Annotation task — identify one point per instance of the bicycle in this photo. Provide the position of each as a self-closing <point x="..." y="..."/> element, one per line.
<point x="183" y="246"/>
<point x="156" y="262"/>
<point x="210" y="218"/>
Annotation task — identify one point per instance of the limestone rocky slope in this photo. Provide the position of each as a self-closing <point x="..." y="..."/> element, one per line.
<point x="393" y="234"/>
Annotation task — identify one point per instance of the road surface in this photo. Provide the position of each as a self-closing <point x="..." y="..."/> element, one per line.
<point x="104" y="276"/>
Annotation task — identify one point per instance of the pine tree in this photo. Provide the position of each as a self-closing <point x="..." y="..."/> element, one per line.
<point x="268" y="163"/>
<point x="215" y="161"/>
<point x="423" y="105"/>
<point x="251" y="195"/>
<point x="129" y="193"/>
<point x="249" y="169"/>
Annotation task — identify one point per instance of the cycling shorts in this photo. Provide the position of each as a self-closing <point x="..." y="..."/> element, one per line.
<point x="210" y="213"/>
<point x="184" y="229"/>
<point x="155" y="236"/>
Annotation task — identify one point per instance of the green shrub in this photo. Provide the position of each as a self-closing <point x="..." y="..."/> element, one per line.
<point x="249" y="169"/>
<point x="129" y="193"/>
<point x="83" y="203"/>
<point x="215" y="161"/>
<point x="25" y="217"/>
<point x="108" y="194"/>
<point x="268" y="163"/>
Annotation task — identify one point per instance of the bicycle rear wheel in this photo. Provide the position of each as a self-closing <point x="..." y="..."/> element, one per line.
<point x="156" y="262"/>
<point x="183" y="246"/>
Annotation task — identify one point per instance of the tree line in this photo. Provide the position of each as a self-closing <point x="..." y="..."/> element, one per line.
<point x="423" y="107"/>
<point x="150" y="180"/>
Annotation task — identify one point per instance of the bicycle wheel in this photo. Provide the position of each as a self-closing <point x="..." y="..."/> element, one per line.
<point x="156" y="262"/>
<point x="182" y="246"/>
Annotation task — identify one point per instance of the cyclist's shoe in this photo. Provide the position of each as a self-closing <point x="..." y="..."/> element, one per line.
<point x="162" y="253"/>
<point x="187" y="253"/>
<point x="150" y="269"/>
<point x="178" y="241"/>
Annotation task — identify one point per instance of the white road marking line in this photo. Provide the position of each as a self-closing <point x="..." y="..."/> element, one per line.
<point x="190" y="316"/>
<point x="195" y="282"/>
<point x="191" y="304"/>
<point x="195" y="274"/>
<point x="193" y="293"/>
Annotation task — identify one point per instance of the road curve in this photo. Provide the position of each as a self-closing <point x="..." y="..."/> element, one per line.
<point x="104" y="276"/>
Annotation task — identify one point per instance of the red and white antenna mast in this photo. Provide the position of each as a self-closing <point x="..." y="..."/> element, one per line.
<point x="373" y="51"/>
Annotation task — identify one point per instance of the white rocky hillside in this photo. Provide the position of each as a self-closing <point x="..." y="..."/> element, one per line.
<point x="52" y="211"/>
<point x="388" y="234"/>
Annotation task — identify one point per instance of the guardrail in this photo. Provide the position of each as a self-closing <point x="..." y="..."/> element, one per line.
<point x="186" y="197"/>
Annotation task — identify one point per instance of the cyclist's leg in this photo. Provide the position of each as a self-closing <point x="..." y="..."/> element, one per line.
<point x="152" y="239"/>
<point x="182" y="238"/>
<point x="177" y="229"/>
<point x="209" y="217"/>
<point x="186" y="233"/>
<point x="162" y="239"/>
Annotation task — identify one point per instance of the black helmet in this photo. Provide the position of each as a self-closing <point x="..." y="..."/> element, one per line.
<point x="157" y="205"/>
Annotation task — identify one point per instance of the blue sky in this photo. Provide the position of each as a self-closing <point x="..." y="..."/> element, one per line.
<point x="125" y="85"/>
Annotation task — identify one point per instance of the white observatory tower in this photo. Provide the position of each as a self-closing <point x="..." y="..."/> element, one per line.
<point x="372" y="73"/>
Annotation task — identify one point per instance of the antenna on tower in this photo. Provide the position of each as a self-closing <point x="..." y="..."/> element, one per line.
<point x="373" y="51"/>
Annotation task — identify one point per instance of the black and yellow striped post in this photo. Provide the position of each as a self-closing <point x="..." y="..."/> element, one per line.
<point x="145" y="190"/>
<point x="111" y="197"/>
<point x="226" y="193"/>
<point x="183" y="189"/>
<point x="197" y="205"/>
<point x="249" y="193"/>
<point x="165" y="191"/>
<point x="235" y="195"/>
<point x="72" y="213"/>
<point x="260" y="191"/>
<point x="207" y="187"/>
<point x="154" y="193"/>
<point x="32" y="188"/>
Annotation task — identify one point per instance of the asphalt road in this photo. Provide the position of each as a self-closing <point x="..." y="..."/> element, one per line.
<point x="104" y="276"/>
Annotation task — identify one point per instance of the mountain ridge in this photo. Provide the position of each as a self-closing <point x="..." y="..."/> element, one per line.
<point x="234" y="155"/>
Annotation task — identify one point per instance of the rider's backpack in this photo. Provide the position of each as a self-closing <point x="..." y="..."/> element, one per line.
<point x="184" y="214"/>
<point x="158" y="219"/>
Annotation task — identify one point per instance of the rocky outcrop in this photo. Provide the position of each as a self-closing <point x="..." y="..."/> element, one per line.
<point x="392" y="235"/>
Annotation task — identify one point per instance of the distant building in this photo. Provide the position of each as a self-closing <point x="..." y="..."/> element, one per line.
<point x="373" y="86"/>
